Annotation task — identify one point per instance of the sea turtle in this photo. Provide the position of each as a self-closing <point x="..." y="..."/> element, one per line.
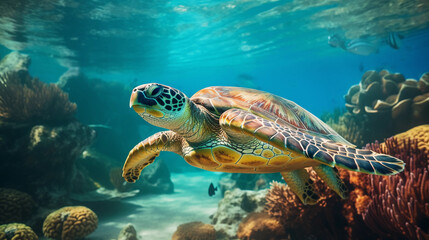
<point x="241" y="130"/>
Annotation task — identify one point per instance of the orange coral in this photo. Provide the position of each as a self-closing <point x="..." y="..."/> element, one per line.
<point x="194" y="231"/>
<point x="395" y="206"/>
<point x="260" y="226"/>
<point x="302" y="221"/>
<point x="361" y="201"/>
<point x="70" y="223"/>
<point x="17" y="231"/>
<point x="23" y="99"/>
<point x="400" y="203"/>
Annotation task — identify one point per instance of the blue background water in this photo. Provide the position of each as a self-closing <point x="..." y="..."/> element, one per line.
<point x="193" y="44"/>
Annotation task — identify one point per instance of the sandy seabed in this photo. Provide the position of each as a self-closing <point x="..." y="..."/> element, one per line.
<point x="157" y="216"/>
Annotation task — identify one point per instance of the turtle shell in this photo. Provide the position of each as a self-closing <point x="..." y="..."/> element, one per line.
<point x="266" y="105"/>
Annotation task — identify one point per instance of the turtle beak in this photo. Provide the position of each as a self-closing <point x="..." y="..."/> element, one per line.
<point x="133" y="99"/>
<point x="134" y="103"/>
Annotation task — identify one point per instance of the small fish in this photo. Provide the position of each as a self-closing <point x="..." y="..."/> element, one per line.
<point x="212" y="190"/>
<point x="394" y="40"/>
<point x="361" y="47"/>
<point x="99" y="126"/>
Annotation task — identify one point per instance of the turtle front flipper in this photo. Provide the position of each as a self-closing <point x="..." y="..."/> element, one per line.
<point x="146" y="151"/>
<point x="325" y="151"/>
<point x="300" y="183"/>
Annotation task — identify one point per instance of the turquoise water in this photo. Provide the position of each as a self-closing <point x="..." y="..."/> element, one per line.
<point x="276" y="46"/>
<point x="193" y="44"/>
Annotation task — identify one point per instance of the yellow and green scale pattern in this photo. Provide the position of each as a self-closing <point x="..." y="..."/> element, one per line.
<point x="254" y="156"/>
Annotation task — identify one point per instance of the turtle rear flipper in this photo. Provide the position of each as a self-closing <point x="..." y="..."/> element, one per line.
<point x="325" y="151"/>
<point x="331" y="178"/>
<point x="300" y="183"/>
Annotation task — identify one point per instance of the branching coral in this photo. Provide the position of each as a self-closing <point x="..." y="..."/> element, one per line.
<point x="69" y="223"/>
<point x="17" y="231"/>
<point x="302" y="221"/>
<point x="400" y="203"/>
<point x="29" y="100"/>
<point x="15" y="206"/>
<point x="394" y="207"/>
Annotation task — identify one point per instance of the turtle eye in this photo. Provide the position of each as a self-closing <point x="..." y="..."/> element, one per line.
<point x="154" y="91"/>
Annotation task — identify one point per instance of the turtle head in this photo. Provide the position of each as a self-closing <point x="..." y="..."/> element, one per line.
<point x="159" y="105"/>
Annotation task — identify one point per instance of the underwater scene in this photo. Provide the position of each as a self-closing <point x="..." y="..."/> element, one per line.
<point x="214" y="120"/>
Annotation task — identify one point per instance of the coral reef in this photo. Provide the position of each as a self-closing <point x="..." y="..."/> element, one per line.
<point x="393" y="207"/>
<point x="194" y="231"/>
<point x="380" y="106"/>
<point x="28" y="100"/>
<point x="389" y="102"/>
<point x="37" y="127"/>
<point x="260" y="226"/>
<point x="17" y="231"/>
<point x="33" y="158"/>
<point x="419" y="134"/>
<point x="15" y="206"/>
<point x="304" y="221"/>
<point x="400" y="203"/>
<point x="128" y="233"/>
<point x="234" y="206"/>
<point x="356" y="204"/>
<point x="70" y="223"/>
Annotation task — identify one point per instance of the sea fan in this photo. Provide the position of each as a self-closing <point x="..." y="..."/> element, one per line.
<point x="28" y="100"/>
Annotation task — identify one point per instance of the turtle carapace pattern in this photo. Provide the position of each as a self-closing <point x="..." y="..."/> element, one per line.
<point x="240" y="130"/>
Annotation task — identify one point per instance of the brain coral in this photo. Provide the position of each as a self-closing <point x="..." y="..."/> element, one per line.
<point x="15" y="206"/>
<point x="260" y="226"/>
<point x="17" y="231"/>
<point x="194" y="231"/>
<point x="70" y="223"/>
<point x="419" y="134"/>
